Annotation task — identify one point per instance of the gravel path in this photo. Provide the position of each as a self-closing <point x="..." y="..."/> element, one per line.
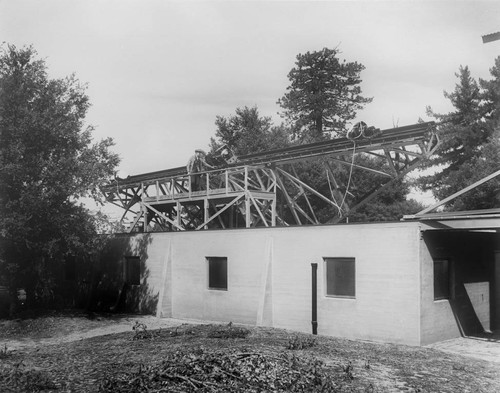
<point x="119" y="326"/>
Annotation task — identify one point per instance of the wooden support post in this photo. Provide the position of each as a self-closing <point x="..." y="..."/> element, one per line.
<point x="179" y="208"/>
<point x="231" y="217"/>
<point x="247" y="211"/>
<point x="262" y="186"/>
<point x="145" y="214"/>
<point x="206" y="215"/>
<point x="246" y="178"/>
<point x="229" y="205"/>
<point x="258" y="209"/>
<point x="273" y="211"/>
<point x="144" y="211"/>
<point x="162" y="215"/>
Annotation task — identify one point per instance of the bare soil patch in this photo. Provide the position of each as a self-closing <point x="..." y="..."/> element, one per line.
<point x="214" y="358"/>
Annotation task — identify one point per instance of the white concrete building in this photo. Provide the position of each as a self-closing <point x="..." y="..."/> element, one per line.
<point x="412" y="282"/>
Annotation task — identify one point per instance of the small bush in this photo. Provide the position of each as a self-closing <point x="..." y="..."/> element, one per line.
<point x="141" y="332"/>
<point x="182" y="332"/>
<point x="228" y="331"/>
<point x="4" y="352"/>
<point x="300" y="342"/>
<point x="348" y="375"/>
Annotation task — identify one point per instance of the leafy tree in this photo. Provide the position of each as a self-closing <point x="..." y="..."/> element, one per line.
<point x="470" y="148"/>
<point x="323" y="85"/>
<point x="324" y="94"/>
<point x="48" y="162"/>
<point x="390" y="205"/>
<point x="247" y="132"/>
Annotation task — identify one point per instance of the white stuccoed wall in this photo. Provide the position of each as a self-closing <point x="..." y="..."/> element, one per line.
<point x="269" y="278"/>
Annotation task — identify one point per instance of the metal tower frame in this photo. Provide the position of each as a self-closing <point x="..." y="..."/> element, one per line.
<point x="265" y="189"/>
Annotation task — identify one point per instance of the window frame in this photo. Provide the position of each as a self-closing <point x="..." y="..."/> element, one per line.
<point x="224" y="280"/>
<point x="128" y="271"/>
<point x="449" y="275"/>
<point x="350" y="260"/>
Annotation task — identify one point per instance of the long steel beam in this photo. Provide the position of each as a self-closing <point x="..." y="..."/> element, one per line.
<point x="392" y="137"/>
<point x="262" y="176"/>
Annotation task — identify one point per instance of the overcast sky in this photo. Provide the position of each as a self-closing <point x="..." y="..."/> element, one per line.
<point x="159" y="72"/>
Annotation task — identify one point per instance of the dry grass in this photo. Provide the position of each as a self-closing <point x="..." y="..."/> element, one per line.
<point x="83" y="366"/>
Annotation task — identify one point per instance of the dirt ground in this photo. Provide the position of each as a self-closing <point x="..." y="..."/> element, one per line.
<point x="58" y="329"/>
<point x="77" y="351"/>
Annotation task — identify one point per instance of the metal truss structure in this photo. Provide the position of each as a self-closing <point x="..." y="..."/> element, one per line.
<point x="267" y="189"/>
<point x="429" y="214"/>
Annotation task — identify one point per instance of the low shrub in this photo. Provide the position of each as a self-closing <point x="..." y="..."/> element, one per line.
<point x="300" y="342"/>
<point x="228" y="331"/>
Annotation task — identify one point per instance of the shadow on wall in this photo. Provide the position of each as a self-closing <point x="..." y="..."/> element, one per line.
<point x="471" y="262"/>
<point x="464" y="313"/>
<point x="120" y="280"/>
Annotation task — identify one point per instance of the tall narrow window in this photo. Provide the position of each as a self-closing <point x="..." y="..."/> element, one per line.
<point x="132" y="270"/>
<point x="340" y="277"/>
<point x="217" y="273"/>
<point x="441" y="279"/>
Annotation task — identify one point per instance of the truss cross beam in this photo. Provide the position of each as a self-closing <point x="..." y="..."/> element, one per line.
<point x="265" y="189"/>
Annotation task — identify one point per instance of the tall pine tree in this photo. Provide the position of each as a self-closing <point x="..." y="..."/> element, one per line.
<point x="470" y="148"/>
<point x="324" y="95"/>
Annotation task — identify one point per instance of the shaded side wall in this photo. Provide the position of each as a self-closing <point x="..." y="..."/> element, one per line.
<point x="472" y="256"/>
<point x="108" y="285"/>
<point x="269" y="278"/>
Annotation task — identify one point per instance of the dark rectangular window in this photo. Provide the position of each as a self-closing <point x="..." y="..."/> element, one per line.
<point x="217" y="272"/>
<point x="340" y="277"/>
<point x="132" y="270"/>
<point x="441" y="279"/>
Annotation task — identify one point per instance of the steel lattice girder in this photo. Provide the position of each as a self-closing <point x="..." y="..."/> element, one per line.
<point x="247" y="193"/>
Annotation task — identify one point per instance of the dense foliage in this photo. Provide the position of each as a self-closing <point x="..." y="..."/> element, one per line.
<point x="48" y="162"/>
<point x="323" y="98"/>
<point x="247" y="132"/>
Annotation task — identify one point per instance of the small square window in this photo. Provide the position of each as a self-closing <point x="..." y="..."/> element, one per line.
<point x="441" y="279"/>
<point x="217" y="273"/>
<point x="340" y="277"/>
<point x="132" y="270"/>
